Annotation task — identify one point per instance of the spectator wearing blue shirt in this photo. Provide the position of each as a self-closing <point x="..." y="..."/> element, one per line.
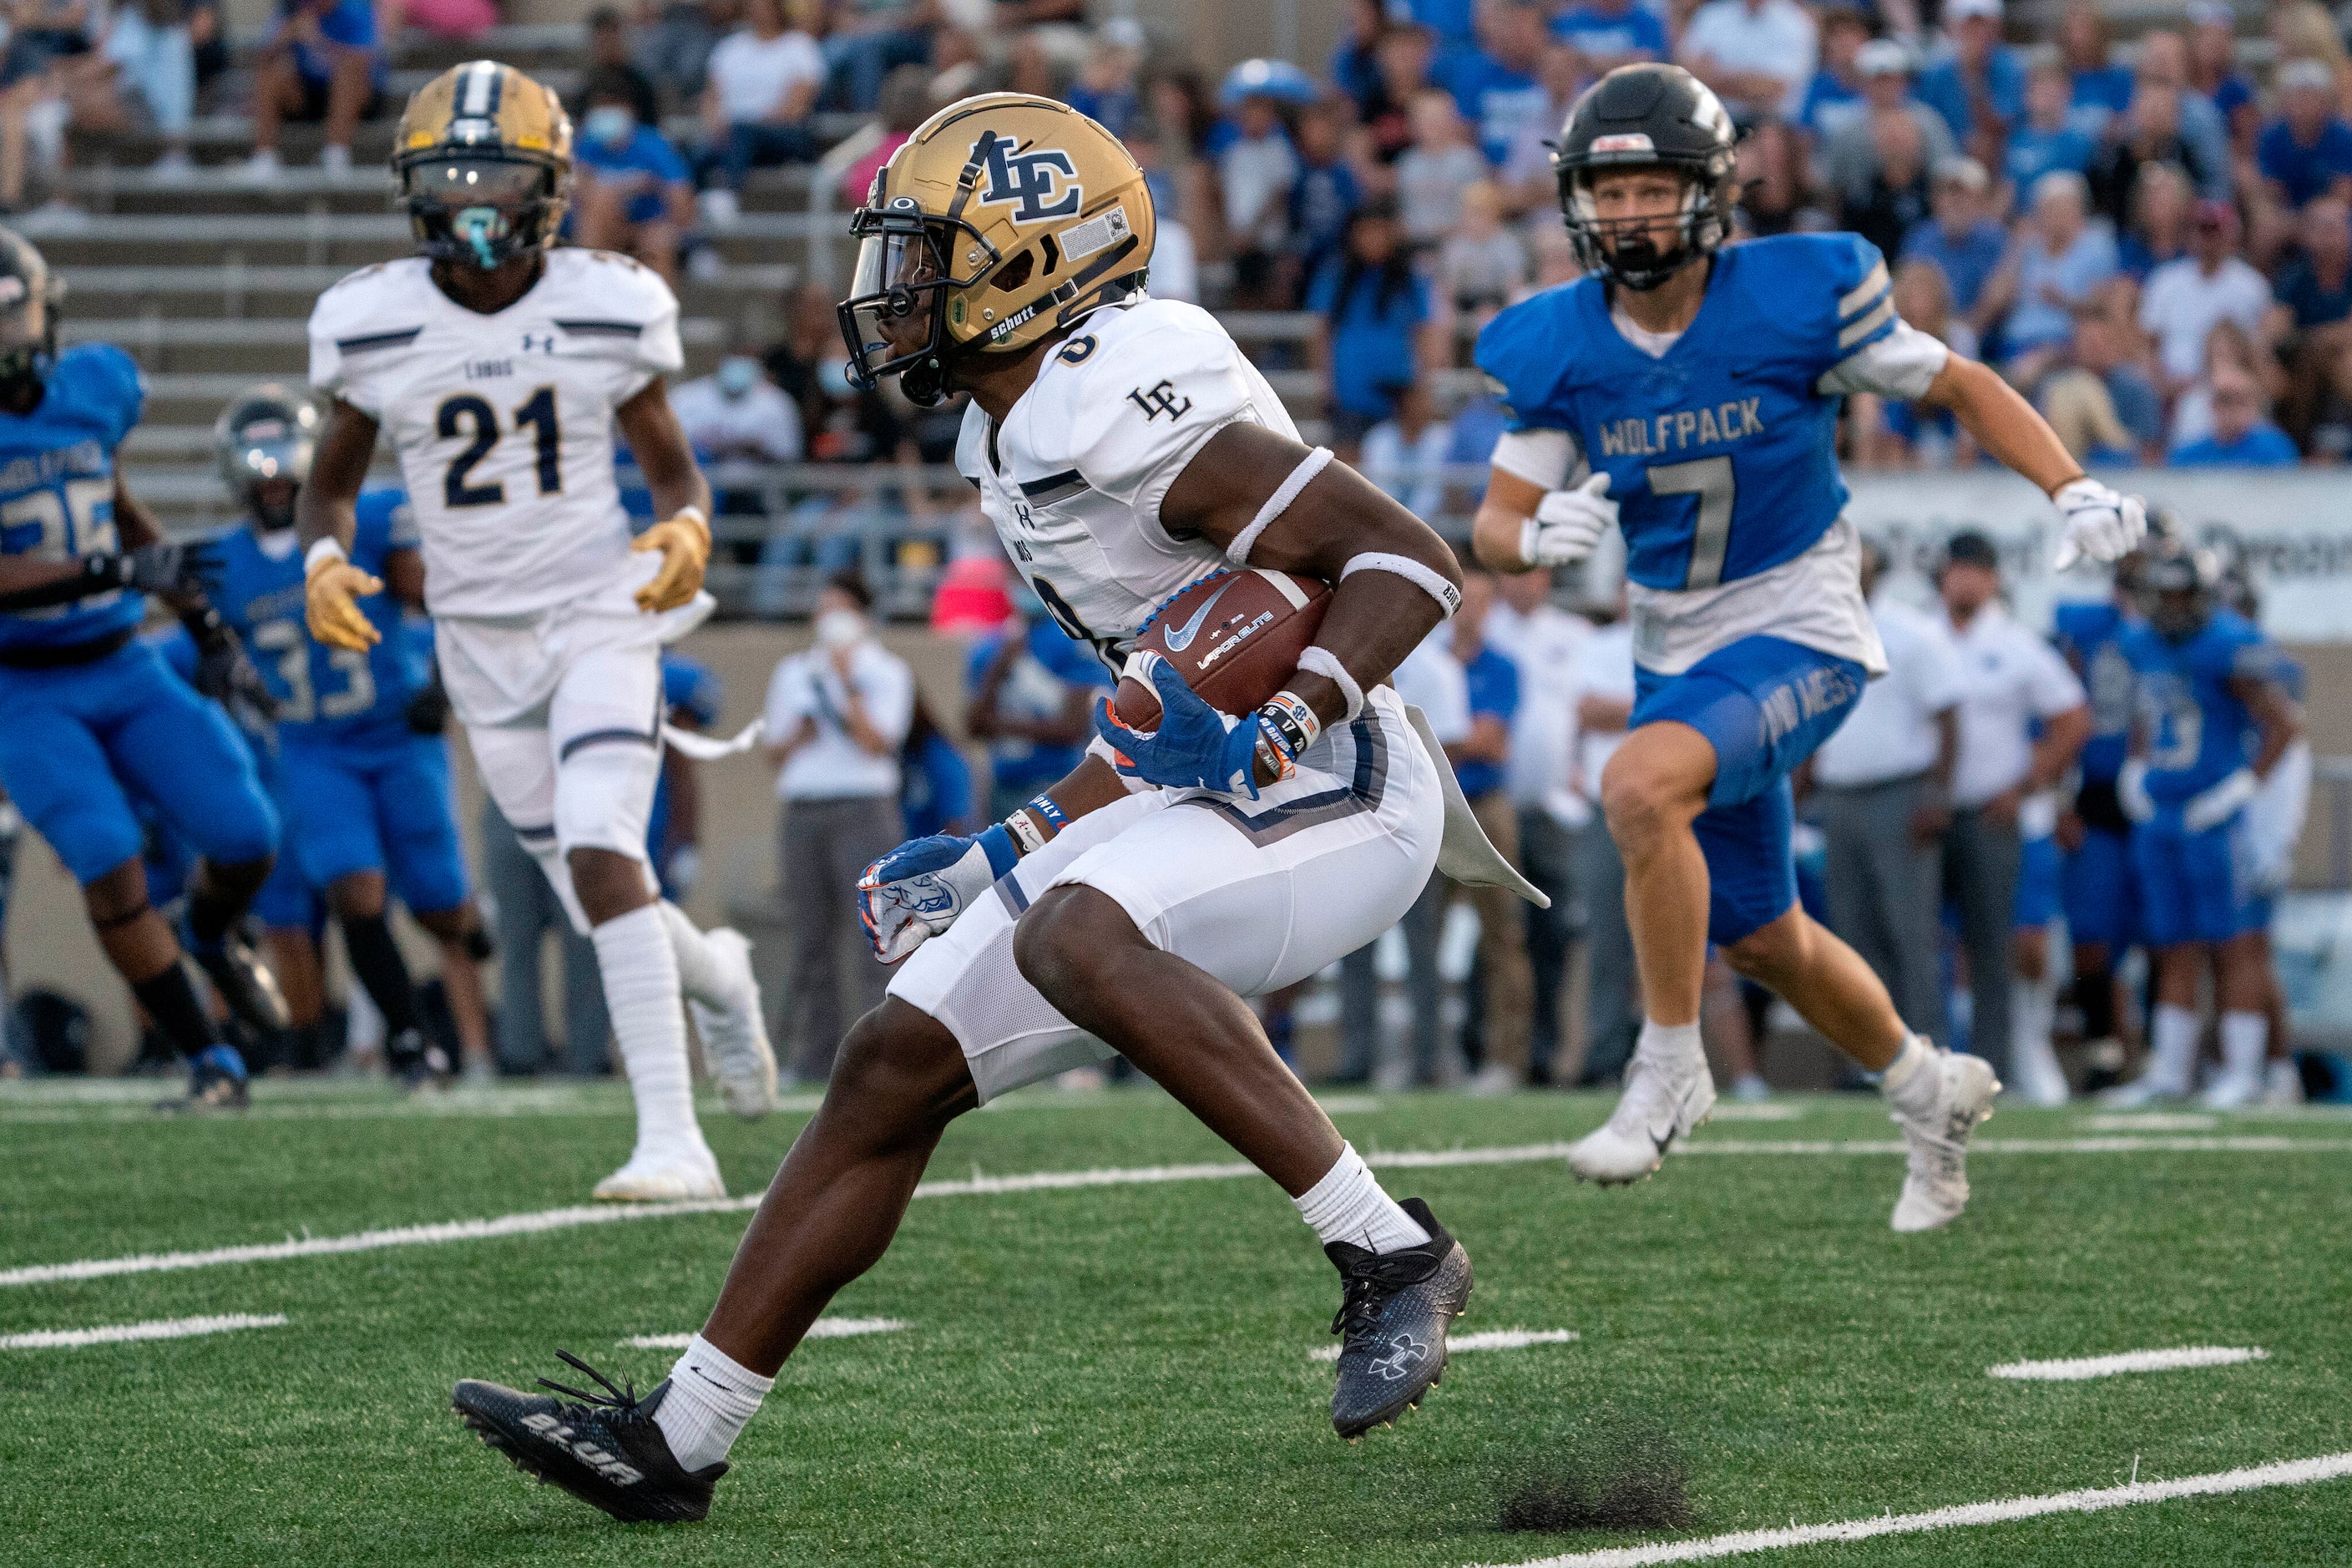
<point x="2098" y="90"/>
<point x="2306" y="152"/>
<point x="1355" y="58"/>
<point x="934" y="781"/>
<point x="1108" y="91"/>
<point x="2048" y="138"/>
<point x="2213" y="70"/>
<point x="1033" y="691"/>
<point x="1453" y="21"/>
<point x="1610" y="33"/>
<point x="1325" y="193"/>
<point x="2241" y="437"/>
<point x="1374" y="307"/>
<point x="1965" y="244"/>
<point x="1502" y="1010"/>
<point x="323" y="63"/>
<point x="632" y="190"/>
<point x="1834" y="97"/>
<point x="1980" y="87"/>
<point x="2315" y="294"/>
<point x="1495" y="81"/>
<point x="2057" y="261"/>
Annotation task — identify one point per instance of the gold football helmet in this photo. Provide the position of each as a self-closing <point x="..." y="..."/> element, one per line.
<point x="483" y="159"/>
<point x="1003" y="219"/>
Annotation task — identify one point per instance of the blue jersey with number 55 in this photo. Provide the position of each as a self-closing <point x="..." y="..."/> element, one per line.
<point x="1721" y="453"/>
<point x="56" y="489"/>
<point x="324" y="694"/>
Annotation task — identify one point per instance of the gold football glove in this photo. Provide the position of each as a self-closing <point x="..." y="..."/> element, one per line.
<point x="684" y="541"/>
<point x="330" y="591"/>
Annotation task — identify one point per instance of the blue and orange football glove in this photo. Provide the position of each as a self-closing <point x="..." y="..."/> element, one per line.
<point x="1195" y="747"/>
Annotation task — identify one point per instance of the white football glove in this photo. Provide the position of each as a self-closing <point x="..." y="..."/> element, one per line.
<point x="2131" y="791"/>
<point x="2212" y="806"/>
<point x="2101" y="524"/>
<point x="1568" y="525"/>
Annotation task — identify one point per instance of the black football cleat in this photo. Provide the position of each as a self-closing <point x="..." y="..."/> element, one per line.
<point x="243" y="982"/>
<point x="605" y="1451"/>
<point x="216" y="1081"/>
<point x="1394" y="1310"/>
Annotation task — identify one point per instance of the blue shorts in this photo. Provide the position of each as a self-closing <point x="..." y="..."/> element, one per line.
<point x="77" y="742"/>
<point x="383" y="808"/>
<point x="2193" y="887"/>
<point x="2102" y="892"/>
<point x="2037" y="901"/>
<point x="1765" y="705"/>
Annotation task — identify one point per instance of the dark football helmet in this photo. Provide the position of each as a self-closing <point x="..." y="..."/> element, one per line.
<point x="1647" y="117"/>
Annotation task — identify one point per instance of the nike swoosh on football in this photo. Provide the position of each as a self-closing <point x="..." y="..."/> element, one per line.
<point x="1181" y="638"/>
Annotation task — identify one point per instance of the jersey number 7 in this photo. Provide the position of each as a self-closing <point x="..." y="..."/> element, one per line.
<point x="1710" y="479"/>
<point x="481" y="420"/>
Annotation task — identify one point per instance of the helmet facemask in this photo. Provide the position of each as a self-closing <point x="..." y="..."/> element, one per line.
<point x="1625" y="249"/>
<point x="895" y="321"/>
<point x="481" y="208"/>
<point x="263" y="444"/>
<point x="28" y="337"/>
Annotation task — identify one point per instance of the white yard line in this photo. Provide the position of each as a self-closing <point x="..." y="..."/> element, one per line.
<point x="2286" y="1473"/>
<point x="123" y="1333"/>
<point x="538" y="1221"/>
<point x="2150" y="1121"/>
<point x="2082" y="1367"/>
<point x="1491" y="1340"/>
<point x="823" y="1328"/>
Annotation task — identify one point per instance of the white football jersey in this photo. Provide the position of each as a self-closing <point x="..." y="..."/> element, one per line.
<point x="504" y="423"/>
<point x="1074" y="478"/>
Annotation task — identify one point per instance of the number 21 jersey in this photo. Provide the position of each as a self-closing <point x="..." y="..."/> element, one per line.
<point x="503" y="422"/>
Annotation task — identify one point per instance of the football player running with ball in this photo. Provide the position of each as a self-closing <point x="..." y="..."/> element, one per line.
<point x="498" y="368"/>
<point x="1688" y="393"/>
<point x="1124" y="450"/>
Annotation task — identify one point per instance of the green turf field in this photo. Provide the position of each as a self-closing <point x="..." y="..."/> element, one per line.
<point x="1125" y="1373"/>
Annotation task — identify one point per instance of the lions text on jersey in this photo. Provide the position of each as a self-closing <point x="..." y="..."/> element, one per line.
<point x="56" y="489"/>
<point x="504" y="422"/>
<point x="1074" y="478"/>
<point x="1721" y="449"/>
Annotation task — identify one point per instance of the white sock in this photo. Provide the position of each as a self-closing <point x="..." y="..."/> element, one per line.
<point x="2245" y="1044"/>
<point x="709" y="1401"/>
<point x="2172" y="1048"/>
<point x="1349" y="1205"/>
<point x="1906" y="1086"/>
<point x="2033" y="1009"/>
<point x="1668" y="1041"/>
<point x="641" y="993"/>
<point x="697" y="970"/>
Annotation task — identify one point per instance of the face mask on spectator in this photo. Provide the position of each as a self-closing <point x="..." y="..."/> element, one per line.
<point x="737" y="375"/>
<point x="610" y="123"/>
<point x="839" y="629"/>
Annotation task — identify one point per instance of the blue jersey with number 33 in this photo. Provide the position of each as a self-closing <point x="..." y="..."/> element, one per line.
<point x="324" y="694"/>
<point x="56" y="489"/>
<point x="1721" y="453"/>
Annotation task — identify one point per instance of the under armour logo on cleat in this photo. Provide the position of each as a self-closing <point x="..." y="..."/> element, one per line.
<point x="1404" y="1354"/>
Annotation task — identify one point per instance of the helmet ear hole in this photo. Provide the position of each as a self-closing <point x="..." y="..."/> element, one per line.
<point x="1015" y="272"/>
<point x="1051" y="252"/>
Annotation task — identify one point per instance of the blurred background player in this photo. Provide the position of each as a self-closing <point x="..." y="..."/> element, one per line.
<point x="500" y="371"/>
<point x="2213" y="720"/>
<point x="2273" y="827"/>
<point x="370" y="813"/>
<point x="2100" y="893"/>
<point x="1716" y="434"/>
<point x="92" y="712"/>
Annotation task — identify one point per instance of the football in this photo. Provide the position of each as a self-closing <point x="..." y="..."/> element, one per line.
<point x="1234" y="637"/>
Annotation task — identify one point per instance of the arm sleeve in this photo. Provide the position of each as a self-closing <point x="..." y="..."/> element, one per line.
<point x="1552" y="458"/>
<point x="1903" y="363"/>
<point x="1143" y="413"/>
<point x="2055" y="689"/>
<point x="889" y="694"/>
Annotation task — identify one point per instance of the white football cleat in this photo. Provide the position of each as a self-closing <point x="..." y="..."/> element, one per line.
<point x="1664" y="1099"/>
<point x="735" y="1049"/>
<point x="2231" y="1091"/>
<point x="2282" y="1083"/>
<point x="2150" y="1087"/>
<point x="1936" y="1175"/>
<point x="661" y="1178"/>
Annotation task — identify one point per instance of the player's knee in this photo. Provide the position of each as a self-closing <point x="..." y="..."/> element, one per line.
<point x="1647" y="796"/>
<point x="901" y="1069"/>
<point x="1774" y="952"/>
<point x="1059" y="943"/>
<point x="117" y="895"/>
